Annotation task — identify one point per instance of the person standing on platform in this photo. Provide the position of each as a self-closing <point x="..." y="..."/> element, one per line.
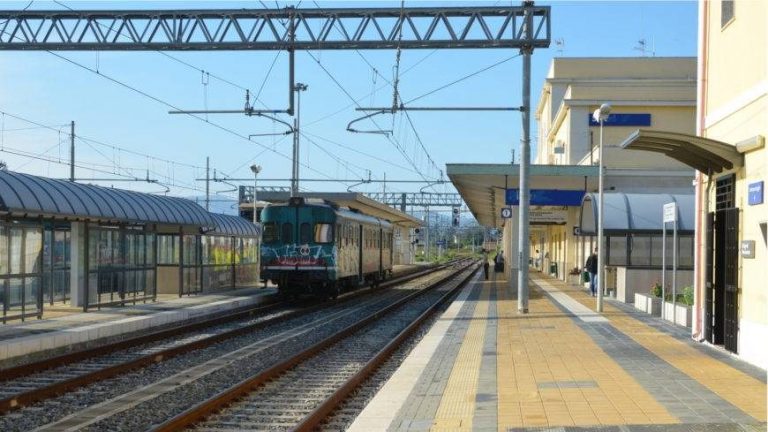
<point x="486" y="264"/>
<point x="591" y="268"/>
<point x="499" y="265"/>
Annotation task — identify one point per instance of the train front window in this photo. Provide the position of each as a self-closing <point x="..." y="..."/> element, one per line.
<point x="323" y="233"/>
<point x="287" y="233"/>
<point x="270" y="233"/>
<point x="304" y="233"/>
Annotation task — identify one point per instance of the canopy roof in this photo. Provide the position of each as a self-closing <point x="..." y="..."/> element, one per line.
<point x="634" y="213"/>
<point x="234" y="226"/>
<point x="483" y="186"/>
<point x="24" y="195"/>
<point x="704" y="154"/>
<point x="353" y="200"/>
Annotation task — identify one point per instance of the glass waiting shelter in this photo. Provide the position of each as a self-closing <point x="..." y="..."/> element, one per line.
<point x="88" y="245"/>
<point x="222" y="258"/>
<point x="633" y="229"/>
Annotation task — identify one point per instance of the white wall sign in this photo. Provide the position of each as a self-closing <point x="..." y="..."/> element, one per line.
<point x="549" y="216"/>
<point x="670" y="212"/>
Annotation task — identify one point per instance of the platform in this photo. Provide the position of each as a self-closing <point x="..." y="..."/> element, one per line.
<point x="485" y="367"/>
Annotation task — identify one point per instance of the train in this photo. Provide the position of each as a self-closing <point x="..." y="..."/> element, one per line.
<point x="315" y="247"/>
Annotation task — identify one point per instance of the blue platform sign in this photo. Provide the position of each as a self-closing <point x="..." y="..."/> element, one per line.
<point x="547" y="197"/>
<point x="755" y="193"/>
<point x="623" y="119"/>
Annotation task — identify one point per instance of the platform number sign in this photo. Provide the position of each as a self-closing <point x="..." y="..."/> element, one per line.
<point x="506" y="213"/>
<point x="456" y="216"/>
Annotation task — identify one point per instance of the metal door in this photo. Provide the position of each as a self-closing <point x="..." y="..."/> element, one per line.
<point x="731" y="279"/>
<point x="709" y="286"/>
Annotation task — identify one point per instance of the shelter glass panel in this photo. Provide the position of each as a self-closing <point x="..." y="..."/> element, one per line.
<point x="641" y="250"/>
<point x="56" y="264"/>
<point x="120" y="259"/>
<point x="168" y="249"/>
<point x="617" y="250"/>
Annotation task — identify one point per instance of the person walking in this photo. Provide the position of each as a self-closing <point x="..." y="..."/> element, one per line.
<point x="499" y="262"/>
<point x="486" y="264"/>
<point x="591" y="268"/>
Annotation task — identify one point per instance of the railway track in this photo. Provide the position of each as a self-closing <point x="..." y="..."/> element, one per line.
<point x="27" y="384"/>
<point x="300" y="392"/>
<point x="259" y="335"/>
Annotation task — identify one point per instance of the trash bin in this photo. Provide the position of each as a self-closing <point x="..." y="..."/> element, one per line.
<point x="553" y="269"/>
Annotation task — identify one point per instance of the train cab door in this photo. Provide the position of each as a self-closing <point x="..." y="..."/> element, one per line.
<point x="360" y="242"/>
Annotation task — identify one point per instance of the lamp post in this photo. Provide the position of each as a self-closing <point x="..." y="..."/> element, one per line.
<point x="600" y="115"/>
<point x="256" y="170"/>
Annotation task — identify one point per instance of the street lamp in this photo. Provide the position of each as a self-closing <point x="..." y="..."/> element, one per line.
<point x="600" y="115"/>
<point x="256" y="170"/>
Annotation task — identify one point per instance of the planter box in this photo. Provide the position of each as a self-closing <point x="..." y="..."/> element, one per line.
<point x="648" y="304"/>
<point x="682" y="314"/>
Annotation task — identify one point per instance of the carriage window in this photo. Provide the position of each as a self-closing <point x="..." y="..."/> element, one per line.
<point x="287" y="234"/>
<point x="323" y="233"/>
<point x="304" y="233"/>
<point x="338" y="234"/>
<point x="270" y="232"/>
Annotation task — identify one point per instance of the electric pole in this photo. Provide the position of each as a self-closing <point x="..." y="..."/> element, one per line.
<point x="207" y="183"/>
<point x="72" y="152"/>
<point x="298" y="88"/>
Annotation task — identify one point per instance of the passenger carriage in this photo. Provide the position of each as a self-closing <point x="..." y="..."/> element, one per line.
<point x="312" y="246"/>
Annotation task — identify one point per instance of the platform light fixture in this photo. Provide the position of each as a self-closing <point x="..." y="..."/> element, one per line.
<point x="256" y="170"/>
<point x="600" y="115"/>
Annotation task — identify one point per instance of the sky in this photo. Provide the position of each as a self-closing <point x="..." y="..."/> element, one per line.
<point x="120" y="102"/>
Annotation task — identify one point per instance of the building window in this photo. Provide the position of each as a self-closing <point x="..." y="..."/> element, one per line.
<point x="726" y="12"/>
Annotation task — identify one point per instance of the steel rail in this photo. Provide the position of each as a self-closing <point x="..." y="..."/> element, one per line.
<point x="237" y="391"/>
<point x="315" y="418"/>
<point x="35" y="395"/>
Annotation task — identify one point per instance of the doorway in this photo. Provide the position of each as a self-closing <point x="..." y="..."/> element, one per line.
<point x="722" y="268"/>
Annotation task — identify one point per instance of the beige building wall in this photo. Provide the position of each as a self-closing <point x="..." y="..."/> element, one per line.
<point x="574" y="88"/>
<point x="734" y="109"/>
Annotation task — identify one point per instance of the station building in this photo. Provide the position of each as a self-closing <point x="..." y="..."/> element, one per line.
<point x="728" y="151"/>
<point x="656" y="93"/>
<point x="90" y="246"/>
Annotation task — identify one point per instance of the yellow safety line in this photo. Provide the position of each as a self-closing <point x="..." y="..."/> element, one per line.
<point x="546" y="347"/>
<point x="457" y="406"/>
<point x="743" y="391"/>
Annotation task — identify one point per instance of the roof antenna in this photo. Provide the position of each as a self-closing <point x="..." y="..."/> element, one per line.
<point x="560" y="44"/>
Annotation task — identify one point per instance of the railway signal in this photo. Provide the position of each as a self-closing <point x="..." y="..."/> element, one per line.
<point x="456" y="218"/>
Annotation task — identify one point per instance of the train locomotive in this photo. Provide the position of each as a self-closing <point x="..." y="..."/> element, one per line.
<point x="314" y="247"/>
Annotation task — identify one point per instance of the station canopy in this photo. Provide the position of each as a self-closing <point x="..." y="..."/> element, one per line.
<point x="635" y="213"/>
<point x="24" y="195"/>
<point x="703" y="154"/>
<point x="352" y="200"/>
<point x="483" y="186"/>
<point x="228" y="225"/>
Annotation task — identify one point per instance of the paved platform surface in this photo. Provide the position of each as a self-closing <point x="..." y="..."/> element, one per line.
<point x="65" y="329"/>
<point x="563" y="367"/>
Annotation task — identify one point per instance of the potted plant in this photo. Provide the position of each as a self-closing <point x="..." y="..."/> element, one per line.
<point x="651" y="302"/>
<point x="679" y="311"/>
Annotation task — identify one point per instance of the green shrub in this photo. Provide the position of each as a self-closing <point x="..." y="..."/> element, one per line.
<point x="656" y="290"/>
<point x="688" y="295"/>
